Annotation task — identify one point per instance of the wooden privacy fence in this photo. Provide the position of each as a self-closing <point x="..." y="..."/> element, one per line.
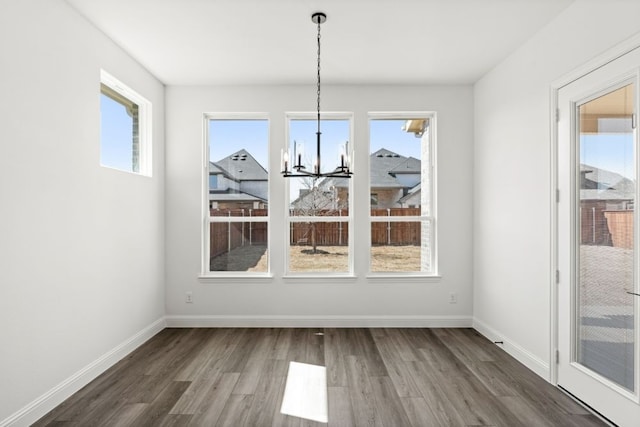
<point x="621" y="228"/>
<point x="326" y="233"/>
<point x="602" y="227"/>
<point x="395" y="233"/>
<point x="337" y="233"/>
<point x="240" y="231"/>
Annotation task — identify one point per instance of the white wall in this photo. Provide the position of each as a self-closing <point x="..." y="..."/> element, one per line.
<point x="512" y="167"/>
<point x="319" y="299"/>
<point x="81" y="246"/>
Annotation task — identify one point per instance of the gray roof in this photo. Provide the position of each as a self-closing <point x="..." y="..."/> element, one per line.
<point x="214" y="169"/>
<point x="410" y="165"/>
<point x="234" y="197"/>
<point x="411" y="193"/>
<point x="334" y="182"/>
<point x="601" y="184"/>
<point x="604" y="195"/>
<point x="241" y="166"/>
<point x="384" y="162"/>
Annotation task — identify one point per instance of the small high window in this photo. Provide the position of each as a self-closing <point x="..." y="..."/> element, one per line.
<point x="125" y="134"/>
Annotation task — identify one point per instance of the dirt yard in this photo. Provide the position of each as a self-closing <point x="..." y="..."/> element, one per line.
<point x="606" y="274"/>
<point x="328" y="259"/>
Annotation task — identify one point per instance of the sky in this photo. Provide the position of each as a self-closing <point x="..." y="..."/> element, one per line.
<point x="612" y="152"/>
<point x="389" y="134"/>
<point x="228" y="136"/>
<point x="116" y="132"/>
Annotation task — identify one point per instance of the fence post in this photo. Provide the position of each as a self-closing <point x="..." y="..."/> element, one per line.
<point x="388" y="227"/>
<point x="593" y="225"/>
<point x="340" y="228"/>
<point x="242" y="228"/>
<point x="229" y="232"/>
<point x="250" y="224"/>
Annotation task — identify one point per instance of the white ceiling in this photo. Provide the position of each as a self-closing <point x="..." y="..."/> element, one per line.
<point x="203" y="42"/>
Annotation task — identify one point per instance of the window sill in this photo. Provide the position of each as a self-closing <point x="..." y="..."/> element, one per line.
<point x="402" y="278"/>
<point x="328" y="279"/>
<point x="223" y="279"/>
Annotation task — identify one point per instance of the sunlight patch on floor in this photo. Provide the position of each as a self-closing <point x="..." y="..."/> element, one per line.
<point x="305" y="393"/>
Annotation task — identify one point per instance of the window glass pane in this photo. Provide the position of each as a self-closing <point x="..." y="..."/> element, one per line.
<point x="310" y="195"/>
<point x="238" y="189"/>
<point x="400" y="246"/>
<point x="400" y="185"/>
<point x="238" y="164"/>
<point x="119" y="138"/>
<point x="399" y="177"/>
<point x="238" y="246"/>
<point x="319" y="247"/>
<point x="320" y="197"/>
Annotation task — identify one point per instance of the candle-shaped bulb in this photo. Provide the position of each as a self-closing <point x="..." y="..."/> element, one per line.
<point x="285" y="161"/>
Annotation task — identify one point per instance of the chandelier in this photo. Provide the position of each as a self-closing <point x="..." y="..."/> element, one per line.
<point x="298" y="169"/>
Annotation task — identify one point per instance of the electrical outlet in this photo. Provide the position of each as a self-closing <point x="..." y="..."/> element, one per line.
<point x="189" y="298"/>
<point x="453" y="298"/>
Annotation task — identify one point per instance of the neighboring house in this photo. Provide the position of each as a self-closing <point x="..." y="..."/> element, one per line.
<point x="237" y="181"/>
<point x="395" y="180"/>
<point x="412" y="199"/>
<point x="329" y="195"/>
<point x="600" y="184"/>
<point x="606" y="207"/>
<point x="395" y="183"/>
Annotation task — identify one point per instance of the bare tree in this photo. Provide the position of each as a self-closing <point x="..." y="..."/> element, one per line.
<point x="318" y="197"/>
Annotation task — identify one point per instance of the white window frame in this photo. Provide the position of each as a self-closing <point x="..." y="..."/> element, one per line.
<point x="290" y="116"/>
<point x="144" y="123"/>
<point x="431" y="219"/>
<point x="208" y="219"/>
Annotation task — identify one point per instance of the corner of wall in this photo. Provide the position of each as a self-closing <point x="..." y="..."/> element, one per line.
<point x="52" y="398"/>
<point x="514" y="349"/>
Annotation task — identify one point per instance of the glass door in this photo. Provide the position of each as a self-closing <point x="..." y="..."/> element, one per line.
<point x="597" y="239"/>
<point x="604" y="324"/>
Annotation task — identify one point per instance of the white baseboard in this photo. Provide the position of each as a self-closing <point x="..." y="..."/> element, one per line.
<point x="270" y="321"/>
<point x="45" y="403"/>
<point x="531" y="361"/>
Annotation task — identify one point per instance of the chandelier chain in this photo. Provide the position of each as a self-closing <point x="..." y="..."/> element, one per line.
<point x="298" y="169"/>
<point x="318" y="88"/>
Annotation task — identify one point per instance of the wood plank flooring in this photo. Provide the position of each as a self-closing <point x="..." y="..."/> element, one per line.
<point x="375" y="377"/>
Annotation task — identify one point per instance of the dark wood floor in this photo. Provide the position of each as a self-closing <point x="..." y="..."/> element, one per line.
<point x="375" y="377"/>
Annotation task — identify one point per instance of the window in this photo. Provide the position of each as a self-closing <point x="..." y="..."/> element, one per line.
<point x="125" y="131"/>
<point x="319" y="218"/>
<point x="316" y="235"/>
<point x="401" y="177"/>
<point x="237" y="195"/>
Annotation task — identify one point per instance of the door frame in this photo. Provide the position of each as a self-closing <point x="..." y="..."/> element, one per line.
<point x="601" y="60"/>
